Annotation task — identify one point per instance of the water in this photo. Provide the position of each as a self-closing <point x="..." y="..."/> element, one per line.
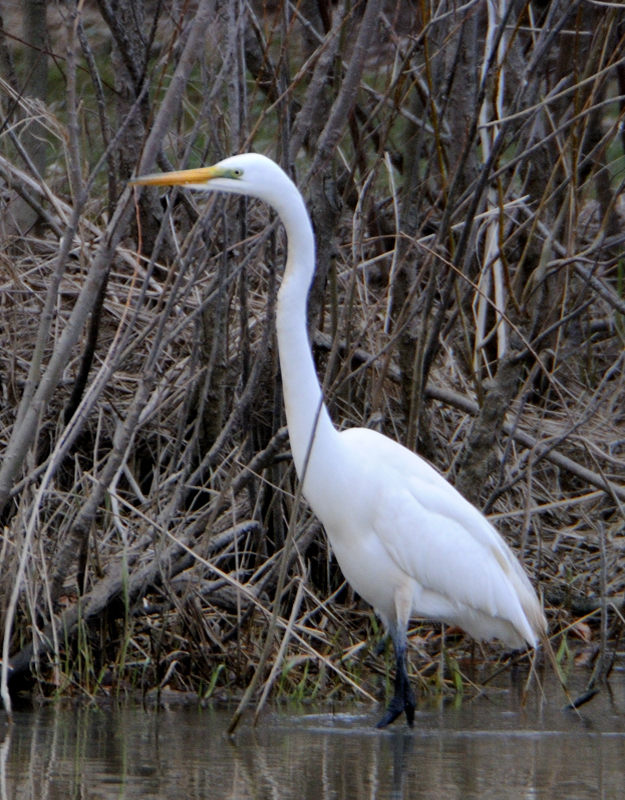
<point x="486" y="748"/>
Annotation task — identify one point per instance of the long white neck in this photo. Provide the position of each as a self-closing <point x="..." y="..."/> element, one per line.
<point x="305" y="412"/>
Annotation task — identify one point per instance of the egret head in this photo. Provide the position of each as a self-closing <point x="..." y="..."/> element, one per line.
<point x="249" y="174"/>
<point x="252" y="175"/>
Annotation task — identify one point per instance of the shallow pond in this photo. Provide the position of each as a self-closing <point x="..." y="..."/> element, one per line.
<point x="489" y="747"/>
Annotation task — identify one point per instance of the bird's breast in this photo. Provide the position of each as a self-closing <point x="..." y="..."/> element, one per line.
<point x="346" y="497"/>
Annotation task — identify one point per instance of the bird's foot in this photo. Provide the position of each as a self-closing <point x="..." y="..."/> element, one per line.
<point x="395" y="708"/>
<point x="402" y="701"/>
<point x="409" y="707"/>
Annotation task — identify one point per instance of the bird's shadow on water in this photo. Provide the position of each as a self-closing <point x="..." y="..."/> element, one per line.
<point x="462" y="743"/>
<point x="402" y="744"/>
<point x="395" y="747"/>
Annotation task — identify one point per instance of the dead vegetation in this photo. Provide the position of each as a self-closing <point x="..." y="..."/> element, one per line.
<point x="463" y="163"/>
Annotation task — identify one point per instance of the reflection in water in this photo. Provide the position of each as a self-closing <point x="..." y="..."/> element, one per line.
<point x="484" y="749"/>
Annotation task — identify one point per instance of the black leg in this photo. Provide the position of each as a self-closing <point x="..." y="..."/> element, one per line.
<point x="380" y="647"/>
<point x="403" y="699"/>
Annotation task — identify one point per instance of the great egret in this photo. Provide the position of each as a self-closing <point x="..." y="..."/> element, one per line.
<point x="406" y="540"/>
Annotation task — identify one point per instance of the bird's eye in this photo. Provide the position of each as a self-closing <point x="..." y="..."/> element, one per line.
<point x="236" y="173"/>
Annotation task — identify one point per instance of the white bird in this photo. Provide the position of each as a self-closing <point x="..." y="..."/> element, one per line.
<point x="405" y="539"/>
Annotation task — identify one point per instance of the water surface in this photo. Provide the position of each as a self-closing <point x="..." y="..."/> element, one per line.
<point x="487" y="748"/>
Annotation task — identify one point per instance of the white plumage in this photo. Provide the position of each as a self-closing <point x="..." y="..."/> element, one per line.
<point x="406" y="540"/>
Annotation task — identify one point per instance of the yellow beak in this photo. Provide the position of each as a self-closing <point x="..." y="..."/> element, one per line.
<point x="182" y="178"/>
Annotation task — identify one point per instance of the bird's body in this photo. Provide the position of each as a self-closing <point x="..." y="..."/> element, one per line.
<point x="405" y="539"/>
<point x="409" y="539"/>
